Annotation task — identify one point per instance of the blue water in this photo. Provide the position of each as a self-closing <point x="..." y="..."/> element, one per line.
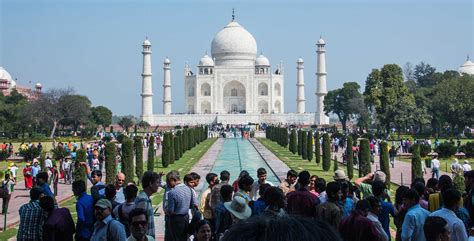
<point x="238" y="154"/>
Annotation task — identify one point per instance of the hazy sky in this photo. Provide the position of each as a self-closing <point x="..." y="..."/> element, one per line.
<point x="95" y="46"/>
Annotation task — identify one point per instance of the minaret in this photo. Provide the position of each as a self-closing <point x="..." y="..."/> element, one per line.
<point x="167" y="87"/>
<point x="321" y="92"/>
<point x="147" y="91"/>
<point x="300" y="86"/>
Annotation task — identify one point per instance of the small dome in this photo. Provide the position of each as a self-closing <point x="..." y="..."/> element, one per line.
<point x="234" y="45"/>
<point x="321" y="41"/>
<point x="4" y="75"/>
<point x="300" y="60"/>
<point x="146" y="42"/>
<point x="206" y="61"/>
<point x="467" y="68"/>
<point x="262" y="61"/>
<point x="38" y="86"/>
<point x="167" y="61"/>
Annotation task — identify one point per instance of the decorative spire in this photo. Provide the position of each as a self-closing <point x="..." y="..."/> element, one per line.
<point x="233" y="15"/>
<point x="467" y="57"/>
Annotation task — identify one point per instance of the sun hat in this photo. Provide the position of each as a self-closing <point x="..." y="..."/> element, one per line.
<point x="104" y="203"/>
<point x="28" y="164"/>
<point x="380" y="176"/>
<point x="239" y="208"/>
<point x="339" y="175"/>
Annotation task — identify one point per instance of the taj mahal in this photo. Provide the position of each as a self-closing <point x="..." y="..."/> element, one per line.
<point x="234" y="86"/>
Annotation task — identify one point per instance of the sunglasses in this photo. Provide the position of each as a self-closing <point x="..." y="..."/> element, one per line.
<point x="121" y="180"/>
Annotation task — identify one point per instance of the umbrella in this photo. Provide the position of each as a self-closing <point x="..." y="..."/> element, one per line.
<point x="460" y="154"/>
<point x="432" y="154"/>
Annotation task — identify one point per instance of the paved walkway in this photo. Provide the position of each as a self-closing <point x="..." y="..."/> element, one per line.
<point x="278" y="167"/>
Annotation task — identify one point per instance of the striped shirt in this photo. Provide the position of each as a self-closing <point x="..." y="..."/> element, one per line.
<point x="180" y="198"/>
<point x="144" y="202"/>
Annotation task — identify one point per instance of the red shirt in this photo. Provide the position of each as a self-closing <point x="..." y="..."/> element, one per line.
<point x="302" y="203"/>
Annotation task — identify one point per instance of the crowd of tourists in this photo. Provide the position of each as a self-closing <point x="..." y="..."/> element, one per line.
<point x="301" y="207"/>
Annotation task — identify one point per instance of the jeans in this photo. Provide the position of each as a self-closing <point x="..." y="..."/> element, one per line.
<point x="435" y="172"/>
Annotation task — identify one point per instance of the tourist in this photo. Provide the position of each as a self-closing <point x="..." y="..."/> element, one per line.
<point x="235" y="184"/>
<point x="347" y="199"/>
<point x="312" y="185"/>
<point x="215" y="192"/>
<point x="262" y="179"/>
<point x="340" y="176"/>
<point x="245" y="186"/>
<point x="98" y="187"/>
<point x="451" y="200"/>
<point x="205" y="202"/>
<point x="48" y="163"/>
<point x="28" y="177"/>
<point x="222" y="216"/>
<point x="364" y="183"/>
<point x="265" y="228"/>
<point x="435" y="165"/>
<point x="301" y="201"/>
<point x="42" y="181"/>
<point x="330" y="211"/>
<point x="32" y="217"/>
<point x="469" y="185"/>
<point x="66" y="166"/>
<point x="275" y="202"/>
<point x="110" y="193"/>
<point x="412" y="228"/>
<point x="106" y="227"/>
<point x="119" y="182"/>
<point x="434" y="200"/>
<point x="151" y="181"/>
<point x="172" y="179"/>
<point x="288" y="185"/>
<point x="321" y="189"/>
<point x="238" y="209"/>
<point x="420" y="188"/>
<point x="121" y="212"/>
<point x="436" y="229"/>
<point x="393" y="154"/>
<point x="138" y="221"/>
<point x="466" y="166"/>
<point x="13" y="169"/>
<point x="35" y="169"/>
<point x="373" y="215"/>
<point x="455" y="167"/>
<point x="378" y="190"/>
<point x="400" y="210"/>
<point x="180" y="199"/>
<point x="202" y="231"/>
<point x="8" y="186"/>
<point x="85" y="211"/>
<point x="59" y="224"/>
<point x="55" y="179"/>
<point x="260" y="205"/>
<point x="357" y="227"/>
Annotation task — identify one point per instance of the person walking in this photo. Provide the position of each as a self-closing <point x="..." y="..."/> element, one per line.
<point x="151" y="181"/>
<point x="435" y="165"/>
<point x="27" y="176"/>
<point x="32" y="218"/>
<point x="42" y="181"/>
<point x="35" y="169"/>
<point x="106" y="228"/>
<point x="85" y="211"/>
<point x="59" y="224"/>
<point x="8" y="186"/>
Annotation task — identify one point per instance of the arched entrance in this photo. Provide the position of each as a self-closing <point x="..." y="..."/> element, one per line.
<point x="263" y="107"/>
<point x="277" y="107"/>
<point x="234" y="97"/>
<point x="205" y="107"/>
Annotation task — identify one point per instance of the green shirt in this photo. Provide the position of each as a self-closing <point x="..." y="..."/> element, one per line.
<point x="366" y="190"/>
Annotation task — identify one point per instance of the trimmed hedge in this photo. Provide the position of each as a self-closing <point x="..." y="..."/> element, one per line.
<point x="309" y="148"/>
<point x="150" y="164"/>
<point x="326" y="152"/>
<point x="317" y="148"/>
<point x="127" y="159"/>
<point x="416" y="163"/>
<point x="385" y="162"/>
<point x="364" y="158"/>
<point x="110" y="167"/>
<point x="138" y="146"/>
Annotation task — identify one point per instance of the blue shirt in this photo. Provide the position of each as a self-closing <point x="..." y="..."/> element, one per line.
<point x="47" y="190"/>
<point x="180" y="199"/>
<point x="347" y="207"/>
<point x="258" y="207"/>
<point x="384" y="217"/>
<point x="34" y="170"/>
<point x="115" y="228"/>
<point x="455" y="225"/>
<point x="85" y="215"/>
<point x="412" y="228"/>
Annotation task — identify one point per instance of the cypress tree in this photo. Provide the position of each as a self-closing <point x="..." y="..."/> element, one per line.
<point x="350" y="158"/>
<point x="416" y="163"/>
<point x="206" y="132"/>
<point x="304" y="146"/>
<point x="138" y="157"/>
<point x="150" y="165"/>
<point x="164" y="151"/>
<point x="110" y="167"/>
<point x="177" y="146"/>
<point x="111" y="130"/>
<point x="364" y="158"/>
<point x="127" y="159"/>
<point x="317" y="148"/>
<point x="172" y="150"/>
<point x="293" y="141"/>
<point x="300" y="142"/>
<point x="184" y="142"/>
<point x="190" y="138"/>
<point x="309" y="146"/>
<point x="79" y="170"/>
<point x="285" y="136"/>
<point x="384" y="161"/>
<point x="326" y="152"/>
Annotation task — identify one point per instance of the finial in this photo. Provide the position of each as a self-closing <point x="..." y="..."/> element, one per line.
<point x="467" y="57"/>
<point x="233" y="15"/>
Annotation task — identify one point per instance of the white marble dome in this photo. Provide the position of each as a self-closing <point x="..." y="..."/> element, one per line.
<point x="467" y="68"/>
<point x="206" y="61"/>
<point x="262" y="61"/>
<point x="4" y="75"/>
<point x="234" y="46"/>
<point x="300" y="60"/>
<point x="167" y="61"/>
<point x="321" y="41"/>
<point x="147" y="42"/>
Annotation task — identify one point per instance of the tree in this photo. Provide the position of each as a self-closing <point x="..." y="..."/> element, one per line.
<point x="102" y="116"/>
<point x="79" y="170"/>
<point x="350" y="157"/>
<point x="176" y="146"/>
<point x="408" y="72"/>
<point x="125" y="123"/>
<point x="184" y="143"/>
<point x="292" y="147"/>
<point x="127" y="160"/>
<point x="76" y="110"/>
<point x="300" y="142"/>
<point x="364" y="158"/>
<point x="384" y="161"/>
<point x="110" y="167"/>
<point x="138" y="147"/>
<point x="172" y="150"/>
<point x="416" y="170"/>
<point x="180" y="143"/>
<point x="143" y="124"/>
<point x="151" y="154"/>
<point x="309" y="148"/>
<point x="424" y="75"/>
<point x="304" y="146"/>
<point x="165" y="150"/>
<point x="326" y="152"/>
<point x="317" y="148"/>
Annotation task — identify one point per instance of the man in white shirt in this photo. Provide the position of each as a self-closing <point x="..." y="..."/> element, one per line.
<point x="435" y="167"/>
<point x="451" y="198"/>
<point x="466" y="166"/>
<point x="262" y="179"/>
<point x="48" y="163"/>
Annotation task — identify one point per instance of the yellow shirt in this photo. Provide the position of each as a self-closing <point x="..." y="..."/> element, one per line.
<point x="204" y="206"/>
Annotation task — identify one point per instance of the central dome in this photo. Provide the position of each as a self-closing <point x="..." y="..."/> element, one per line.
<point x="234" y="46"/>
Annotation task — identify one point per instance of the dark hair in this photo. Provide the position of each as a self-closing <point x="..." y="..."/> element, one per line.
<point x="174" y="175"/>
<point x="243" y="173"/>
<point x="431" y="183"/>
<point x="362" y="205"/>
<point x="412" y="194"/>
<point x="245" y="181"/>
<point x="197" y="225"/>
<point x="418" y="180"/>
<point x="261" y="171"/>
<point x="320" y="184"/>
<point x="444" y="180"/>
<point x="378" y="188"/>
<point x="451" y="197"/>
<point x="136" y="212"/>
<point x="194" y="176"/>
<point x="332" y="188"/>
<point x="263" y="188"/>
<point x="291" y="173"/>
<point x="130" y="191"/>
<point x="35" y="193"/>
<point x="210" y="176"/>
<point x="303" y="178"/>
<point x="420" y="188"/>
<point x="264" y="228"/>
<point x="42" y="175"/>
<point x="274" y="196"/>
<point x="399" y="194"/>
<point x="7" y="176"/>
<point x="149" y="178"/>
<point x="110" y="191"/>
<point x="96" y="173"/>
<point x="225" y="175"/>
<point x="79" y="186"/>
<point x="433" y="227"/>
<point x="187" y="178"/>
<point x="226" y="192"/>
<point x="47" y="203"/>
<point x="373" y="201"/>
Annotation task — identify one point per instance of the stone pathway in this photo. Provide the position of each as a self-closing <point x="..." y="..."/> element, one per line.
<point x="278" y="167"/>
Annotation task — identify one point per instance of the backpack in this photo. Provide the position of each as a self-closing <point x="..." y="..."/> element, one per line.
<point x="123" y="219"/>
<point x="95" y="192"/>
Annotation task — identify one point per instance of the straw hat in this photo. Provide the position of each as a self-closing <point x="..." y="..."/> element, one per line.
<point x="339" y="175"/>
<point x="239" y="208"/>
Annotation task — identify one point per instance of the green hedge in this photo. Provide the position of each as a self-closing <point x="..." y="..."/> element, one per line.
<point x="150" y="164"/>
<point x="326" y="152"/>
<point x="138" y="146"/>
<point x="364" y="158"/>
<point x="110" y="167"/>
